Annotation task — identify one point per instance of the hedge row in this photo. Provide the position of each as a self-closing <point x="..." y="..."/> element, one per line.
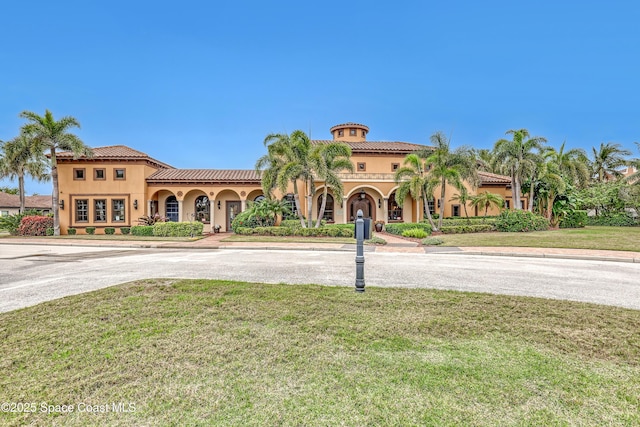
<point x="177" y="229"/>
<point x="327" y="231"/>
<point x="467" y="228"/>
<point x="35" y="225"/>
<point x="613" y="220"/>
<point x="518" y="220"/>
<point x="400" y="227"/>
<point x="471" y="220"/>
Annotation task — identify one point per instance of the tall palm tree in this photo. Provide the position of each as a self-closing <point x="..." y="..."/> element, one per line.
<point x="328" y="160"/>
<point x="49" y="136"/>
<point x="287" y="161"/>
<point x="486" y="200"/>
<point x="517" y="158"/>
<point x="413" y="179"/>
<point x="608" y="159"/>
<point x="450" y="167"/>
<point x="572" y="165"/>
<point x="635" y="177"/>
<point x="18" y="159"/>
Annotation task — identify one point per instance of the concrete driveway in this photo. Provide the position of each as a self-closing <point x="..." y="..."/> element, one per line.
<point x="32" y="273"/>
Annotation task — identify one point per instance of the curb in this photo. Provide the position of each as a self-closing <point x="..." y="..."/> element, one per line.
<point x="543" y="255"/>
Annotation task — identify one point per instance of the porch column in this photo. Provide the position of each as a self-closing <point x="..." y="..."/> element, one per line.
<point x="179" y="210"/>
<point x="212" y="211"/>
<point x="243" y="205"/>
<point x="345" y="210"/>
<point x="149" y="202"/>
<point x="385" y="210"/>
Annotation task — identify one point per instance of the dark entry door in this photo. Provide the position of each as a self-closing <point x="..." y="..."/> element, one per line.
<point x="233" y="209"/>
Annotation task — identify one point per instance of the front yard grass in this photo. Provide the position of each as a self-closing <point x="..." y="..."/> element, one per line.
<point x="606" y="238"/>
<point x="194" y="352"/>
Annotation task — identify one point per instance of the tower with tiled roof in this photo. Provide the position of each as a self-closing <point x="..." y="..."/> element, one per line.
<point x="350" y="132"/>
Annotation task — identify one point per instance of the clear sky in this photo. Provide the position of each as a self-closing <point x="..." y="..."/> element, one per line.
<point x="199" y="84"/>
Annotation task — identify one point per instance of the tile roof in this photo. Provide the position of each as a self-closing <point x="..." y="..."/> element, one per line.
<point x="342" y="125"/>
<point x="115" y="152"/>
<point x="36" y="202"/>
<point x="492" y="178"/>
<point x="378" y="146"/>
<point x="205" y="175"/>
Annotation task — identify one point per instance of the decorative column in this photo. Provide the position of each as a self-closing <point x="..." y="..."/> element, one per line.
<point x="149" y="202"/>
<point x="243" y="205"/>
<point x="179" y="210"/>
<point x="345" y="210"/>
<point x="212" y="211"/>
<point x="385" y="209"/>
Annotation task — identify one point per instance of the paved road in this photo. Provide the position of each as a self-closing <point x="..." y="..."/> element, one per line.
<point x="32" y="274"/>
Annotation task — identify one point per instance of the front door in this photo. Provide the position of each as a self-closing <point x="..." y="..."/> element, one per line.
<point x="233" y="209"/>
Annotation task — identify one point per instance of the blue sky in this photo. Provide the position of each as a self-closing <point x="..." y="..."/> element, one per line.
<point x="199" y="84"/>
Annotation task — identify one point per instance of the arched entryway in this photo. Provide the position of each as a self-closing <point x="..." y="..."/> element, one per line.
<point x="361" y="200"/>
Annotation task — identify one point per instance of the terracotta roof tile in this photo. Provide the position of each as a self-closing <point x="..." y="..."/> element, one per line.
<point x="377" y="146"/>
<point x="31" y="202"/>
<point x="117" y="152"/>
<point x="205" y="175"/>
<point x="492" y="178"/>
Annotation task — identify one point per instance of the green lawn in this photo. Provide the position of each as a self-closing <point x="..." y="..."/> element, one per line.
<point x="197" y="352"/>
<point x="613" y="238"/>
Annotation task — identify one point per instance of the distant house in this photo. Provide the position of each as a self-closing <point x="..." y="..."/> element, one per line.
<point x="10" y="204"/>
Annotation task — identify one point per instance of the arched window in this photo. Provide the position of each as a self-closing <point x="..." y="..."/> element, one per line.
<point x="328" y="208"/>
<point x="259" y="198"/>
<point x="395" y="210"/>
<point x="171" y="208"/>
<point x="202" y="209"/>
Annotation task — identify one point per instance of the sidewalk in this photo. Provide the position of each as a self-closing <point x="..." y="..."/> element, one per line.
<point x="394" y="245"/>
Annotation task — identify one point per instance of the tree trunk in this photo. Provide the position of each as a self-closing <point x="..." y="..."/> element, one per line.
<point x="515" y="189"/>
<point x="428" y="212"/>
<point x="322" y="206"/>
<point x="309" y="210"/>
<point x="54" y="196"/>
<point x="296" y="199"/>
<point x="21" y="192"/>
<point x="442" y="193"/>
<point x="531" y="197"/>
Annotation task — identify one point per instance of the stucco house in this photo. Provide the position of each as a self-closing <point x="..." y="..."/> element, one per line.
<point x="120" y="184"/>
<point x="10" y="204"/>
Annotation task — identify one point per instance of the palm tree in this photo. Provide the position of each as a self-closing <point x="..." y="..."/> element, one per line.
<point x="572" y="165"/>
<point x="414" y="179"/>
<point x="50" y="135"/>
<point x="328" y="160"/>
<point x="486" y="200"/>
<point x="463" y="197"/>
<point x="517" y="158"/>
<point x="287" y="161"/>
<point x="635" y="177"/>
<point x="18" y="159"/>
<point x="450" y="167"/>
<point x="608" y="159"/>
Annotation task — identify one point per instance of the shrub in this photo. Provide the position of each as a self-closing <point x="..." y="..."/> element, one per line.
<point x="613" y="220"/>
<point x="151" y="219"/>
<point x="178" y="229"/>
<point x="455" y="221"/>
<point x="90" y="230"/>
<point x="125" y="230"/>
<point x="109" y="230"/>
<point x="466" y="228"/>
<point x="11" y="223"/>
<point x="574" y="219"/>
<point x="244" y="231"/>
<point x="347" y="232"/>
<point x="398" y="228"/>
<point x="375" y="240"/>
<point x="142" y="230"/>
<point x="35" y="225"/>
<point x="432" y="241"/>
<point x="519" y="220"/>
<point x="417" y="233"/>
<point x="244" y="219"/>
<point x="49" y="231"/>
<point x="71" y="231"/>
<point x="290" y="223"/>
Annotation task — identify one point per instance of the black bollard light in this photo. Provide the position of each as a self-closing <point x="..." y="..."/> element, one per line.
<point x="359" y="252"/>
